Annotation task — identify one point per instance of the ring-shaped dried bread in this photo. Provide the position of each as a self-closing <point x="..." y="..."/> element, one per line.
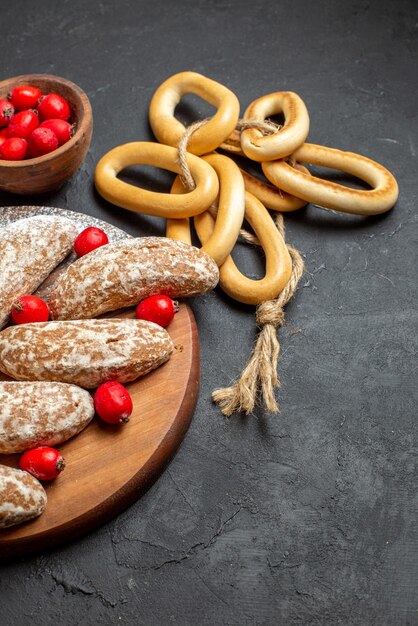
<point x="232" y="143"/>
<point x="284" y="141"/>
<point x="330" y="195"/>
<point x="271" y="196"/>
<point x="231" y="208"/>
<point x="230" y="213"/>
<point x="151" y="202"/>
<point x="168" y="130"/>
<point x="278" y="261"/>
<point x="178" y="229"/>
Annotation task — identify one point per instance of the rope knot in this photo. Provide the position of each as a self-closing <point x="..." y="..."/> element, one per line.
<point x="269" y="313"/>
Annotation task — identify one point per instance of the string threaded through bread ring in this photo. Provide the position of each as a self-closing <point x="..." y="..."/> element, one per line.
<point x="278" y="262"/>
<point x="151" y="202"/>
<point x="271" y="196"/>
<point x="287" y="138"/>
<point x="229" y="212"/>
<point x="168" y="130"/>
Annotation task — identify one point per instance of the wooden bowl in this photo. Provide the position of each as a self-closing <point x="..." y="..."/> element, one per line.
<point x="49" y="172"/>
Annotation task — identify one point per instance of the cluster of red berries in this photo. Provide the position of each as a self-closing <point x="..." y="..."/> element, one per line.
<point x="32" y="124"/>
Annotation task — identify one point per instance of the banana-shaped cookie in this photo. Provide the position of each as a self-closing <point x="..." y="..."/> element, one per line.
<point x="41" y="414"/>
<point x="29" y="250"/>
<point x="121" y="274"/>
<point x="22" y="497"/>
<point x="83" y="352"/>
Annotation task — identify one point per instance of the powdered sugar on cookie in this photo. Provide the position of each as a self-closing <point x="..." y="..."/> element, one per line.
<point x="29" y="250"/>
<point x="121" y="274"/>
<point x="41" y="413"/>
<point x="22" y="497"/>
<point x="83" y="352"/>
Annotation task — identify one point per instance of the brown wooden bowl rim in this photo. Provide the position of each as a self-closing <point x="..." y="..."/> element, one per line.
<point x="82" y="125"/>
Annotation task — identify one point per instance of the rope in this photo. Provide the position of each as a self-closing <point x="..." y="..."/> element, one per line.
<point x="259" y="379"/>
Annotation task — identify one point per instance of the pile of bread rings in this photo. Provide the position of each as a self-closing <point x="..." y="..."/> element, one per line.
<point x="218" y="179"/>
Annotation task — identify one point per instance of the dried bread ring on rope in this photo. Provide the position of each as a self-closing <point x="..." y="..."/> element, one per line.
<point x="278" y="261"/>
<point x="328" y="194"/>
<point x="230" y="213"/>
<point x="232" y="143"/>
<point x="231" y="208"/>
<point x="260" y="147"/>
<point x="150" y="202"/>
<point x="169" y="130"/>
<point x="271" y="196"/>
<point x="178" y="229"/>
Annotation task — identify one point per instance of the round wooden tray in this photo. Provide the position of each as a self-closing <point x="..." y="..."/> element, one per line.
<point x="108" y="468"/>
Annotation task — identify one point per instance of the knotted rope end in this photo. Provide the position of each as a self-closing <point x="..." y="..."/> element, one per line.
<point x="259" y="379"/>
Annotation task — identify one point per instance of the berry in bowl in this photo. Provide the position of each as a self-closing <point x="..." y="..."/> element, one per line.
<point x="46" y="125"/>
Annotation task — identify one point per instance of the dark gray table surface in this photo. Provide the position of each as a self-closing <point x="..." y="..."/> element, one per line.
<point x="309" y="516"/>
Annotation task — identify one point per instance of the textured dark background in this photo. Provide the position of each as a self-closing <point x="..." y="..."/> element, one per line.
<point x="309" y="517"/>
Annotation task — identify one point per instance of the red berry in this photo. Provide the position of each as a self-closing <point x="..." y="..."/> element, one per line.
<point x="53" y="106"/>
<point x="25" y="97"/>
<point x="13" y="149"/>
<point x="90" y="239"/>
<point x="6" y="111"/>
<point x="159" y="309"/>
<point x="113" y="402"/>
<point x="42" y="141"/>
<point x="2" y="139"/>
<point x="22" y="124"/>
<point x="4" y="132"/>
<point x="61" y="128"/>
<point x="44" y="463"/>
<point x="29" y="309"/>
